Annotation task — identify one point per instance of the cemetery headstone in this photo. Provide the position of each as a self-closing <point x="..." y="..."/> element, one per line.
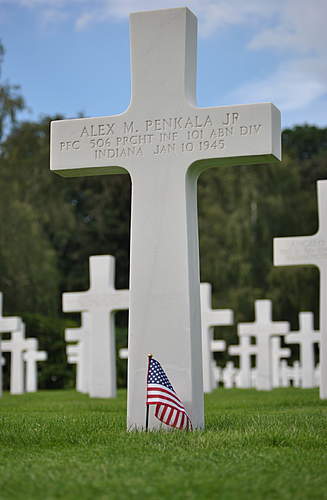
<point x="83" y="336"/>
<point x="74" y="356"/>
<point x="277" y="353"/>
<point x="285" y="374"/>
<point x="8" y="324"/>
<point x="311" y="250"/>
<point x="218" y="373"/>
<point x="296" y="374"/>
<point x="31" y="357"/>
<point x="101" y="301"/>
<point x="164" y="142"/>
<point x="210" y="318"/>
<point x="263" y="328"/>
<point x="244" y="351"/>
<point x="229" y="375"/>
<point x="16" y="345"/>
<point x="306" y="337"/>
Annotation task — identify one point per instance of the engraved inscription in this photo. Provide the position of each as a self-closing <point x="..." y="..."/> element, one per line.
<point x="162" y="136"/>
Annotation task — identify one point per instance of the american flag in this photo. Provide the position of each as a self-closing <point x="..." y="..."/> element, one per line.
<point x="169" y="408"/>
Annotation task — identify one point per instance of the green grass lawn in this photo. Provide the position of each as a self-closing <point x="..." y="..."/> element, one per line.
<point x="256" y="445"/>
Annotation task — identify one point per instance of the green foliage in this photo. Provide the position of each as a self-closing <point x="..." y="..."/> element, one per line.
<point x="256" y="445"/>
<point x="11" y="101"/>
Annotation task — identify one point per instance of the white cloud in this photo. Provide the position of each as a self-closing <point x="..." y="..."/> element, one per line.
<point x="291" y="87"/>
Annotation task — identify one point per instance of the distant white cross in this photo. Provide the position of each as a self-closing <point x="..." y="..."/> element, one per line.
<point x="218" y="372"/>
<point x="84" y="337"/>
<point x="74" y="356"/>
<point x="263" y="328"/>
<point x="285" y="374"/>
<point x="8" y="324"/>
<point x="31" y="357"/>
<point x="296" y="374"/>
<point x="311" y="250"/>
<point x="16" y="346"/>
<point x="210" y="318"/>
<point x="101" y="301"/>
<point x="244" y="351"/>
<point x="164" y="141"/>
<point x="229" y="375"/>
<point x="277" y="353"/>
<point x="306" y="337"/>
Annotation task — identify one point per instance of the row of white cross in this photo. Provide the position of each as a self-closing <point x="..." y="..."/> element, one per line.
<point x="164" y="141"/>
<point x="284" y="375"/>
<point x="24" y="355"/>
<point x="96" y="364"/>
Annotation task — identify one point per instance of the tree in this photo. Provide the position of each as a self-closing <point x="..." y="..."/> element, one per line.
<point x="10" y="100"/>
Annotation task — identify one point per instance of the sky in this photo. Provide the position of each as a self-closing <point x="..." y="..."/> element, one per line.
<point x="73" y="56"/>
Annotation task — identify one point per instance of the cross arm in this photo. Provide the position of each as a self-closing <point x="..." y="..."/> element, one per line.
<point x="31" y="344"/>
<point x="6" y="345"/>
<point x="87" y="146"/>
<point x="228" y="135"/>
<point x="218" y="345"/>
<point x="72" y="350"/>
<point x="73" y="334"/>
<point x="35" y="356"/>
<point x="298" y="250"/>
<point x="240" y="134"/>
<point x="73" y="301"/>
<point x="10" y="324"/>
<point x="219" y="317"/>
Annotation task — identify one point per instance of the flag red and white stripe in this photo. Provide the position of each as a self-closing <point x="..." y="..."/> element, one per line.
<point x="168" y="407"/>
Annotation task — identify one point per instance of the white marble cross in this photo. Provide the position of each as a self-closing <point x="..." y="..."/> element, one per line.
<point x="244" y="351"/>
<point x="16" y="345"/>
<point x="7" y="325"/>
<point x="74" y="356"/>
<point x="296" y="374"/>
<point x="229" y="375"/>
<point x="164" y="141"/>
<point x="84" y="337"/>
<point x="218" y="372"/>
<point x="210" y="318"/>
<point x="277" y="353"/>
<point x="31" y="357"/>
<point x="102" y="300"/>
<point x="306" y="337"/>
<point x="311" y="250"/>
<point x="288" y="374"/>
<point x="263" y="328"/>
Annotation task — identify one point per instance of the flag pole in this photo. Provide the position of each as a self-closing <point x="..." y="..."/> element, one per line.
<point x="147" y="406"/>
